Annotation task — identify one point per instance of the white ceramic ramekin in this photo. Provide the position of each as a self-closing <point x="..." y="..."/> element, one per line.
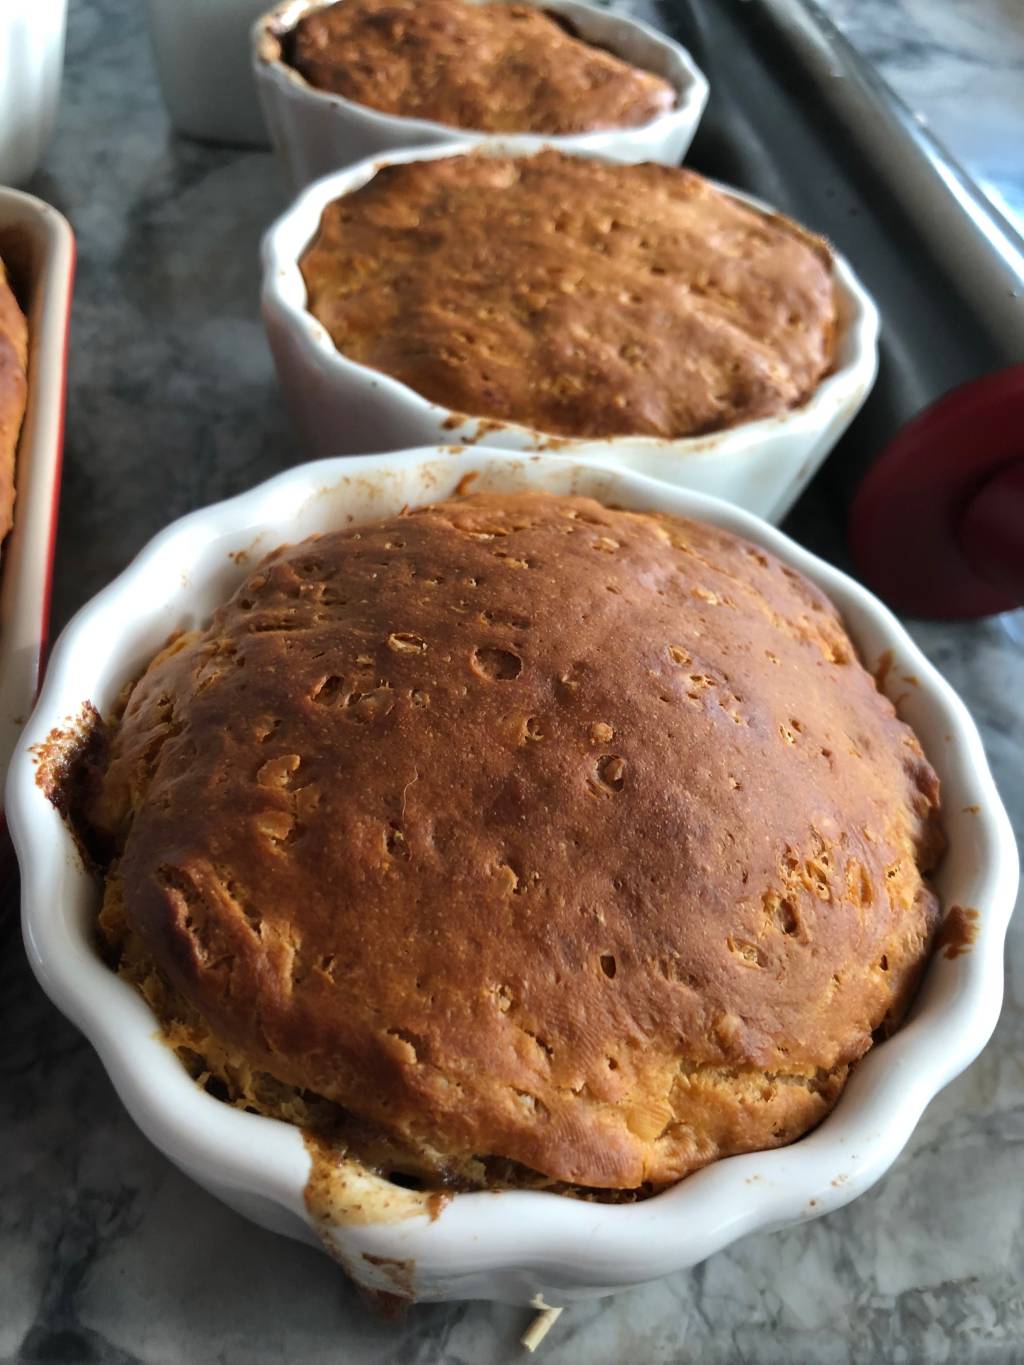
<point x="513" y="1245"/>
<point x="343" y="407"/>
<point x="31" y="64"/>
<point x="201" y="53"/>
<point x="315" y="131"/>
<point x="38" y="248"/>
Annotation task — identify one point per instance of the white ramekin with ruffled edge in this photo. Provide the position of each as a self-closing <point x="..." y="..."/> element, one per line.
<point x="315" y="131"/>
<point x="341" y="406"/>
<point x="508" y="1246"/>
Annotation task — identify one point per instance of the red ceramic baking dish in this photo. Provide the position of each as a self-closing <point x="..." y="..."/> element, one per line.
<point x="38" y="249"/>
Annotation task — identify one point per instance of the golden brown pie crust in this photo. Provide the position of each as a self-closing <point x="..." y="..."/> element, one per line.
<point x="492" y="68"/>
<point x="576" y="297"/>
<point x="532" y="833"/>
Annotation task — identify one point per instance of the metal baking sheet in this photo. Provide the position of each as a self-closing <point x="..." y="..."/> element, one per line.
<point x="799" y="118"/>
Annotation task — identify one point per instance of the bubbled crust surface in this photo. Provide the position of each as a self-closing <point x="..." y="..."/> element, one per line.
<point x="573" y="296"/>
<point x="13" y="393"/>
<point x="526" y="828"/>
<point x="490" y="67"/>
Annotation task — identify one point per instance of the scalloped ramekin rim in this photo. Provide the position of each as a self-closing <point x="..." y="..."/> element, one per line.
<point x="689" y="81"/>
<point x="497" y="1242"/>
<point x="284" y="295"/>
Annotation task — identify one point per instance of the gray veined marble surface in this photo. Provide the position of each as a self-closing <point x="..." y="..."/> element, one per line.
<point x="107" y="1254"/>
<point x="959" y="64"/>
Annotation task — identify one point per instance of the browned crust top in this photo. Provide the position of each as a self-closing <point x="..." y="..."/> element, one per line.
<point x="576" y="297"/>
<point x="13" y="393"/>
<point x="529" y="829"/>
<point x="492" y="68"/>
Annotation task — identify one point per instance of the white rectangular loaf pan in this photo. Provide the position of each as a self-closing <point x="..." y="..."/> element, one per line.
<point x="512" y="1245"/>
<point x="342" y="407"/>
<point x="315" y="131"/>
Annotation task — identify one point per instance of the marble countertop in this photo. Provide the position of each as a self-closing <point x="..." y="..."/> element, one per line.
<point x="959" y="64"/>
<point x="110" y="1256"/>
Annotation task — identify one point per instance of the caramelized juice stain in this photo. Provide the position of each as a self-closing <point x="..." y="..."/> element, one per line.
<point x="342" y="1192"/>
<point x="882" y="669"/>
<point x="958" y="931"/>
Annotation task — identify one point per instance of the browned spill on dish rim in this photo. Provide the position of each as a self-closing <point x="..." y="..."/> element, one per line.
<point x="957" y="932"/>
<point x="60" y="750"/>
<point x="484" y="426"/>
<point x="334" y="1199"/>
<point x="332" y="1202"/>
<point x="66" y="752"/>
<point x="400" y="1273"/>
<point x="882" y="669"/>
<point x="462" y="487"/>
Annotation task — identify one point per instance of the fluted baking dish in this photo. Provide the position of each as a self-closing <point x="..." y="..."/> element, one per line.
<point x="38" y="248"/>
<point x="343" y="407"/>
<point x="316" y="131"/>
<point x="516" y="1244"/>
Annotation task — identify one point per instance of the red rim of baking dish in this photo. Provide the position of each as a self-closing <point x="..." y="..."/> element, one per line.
<point x="53" y="514"/>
